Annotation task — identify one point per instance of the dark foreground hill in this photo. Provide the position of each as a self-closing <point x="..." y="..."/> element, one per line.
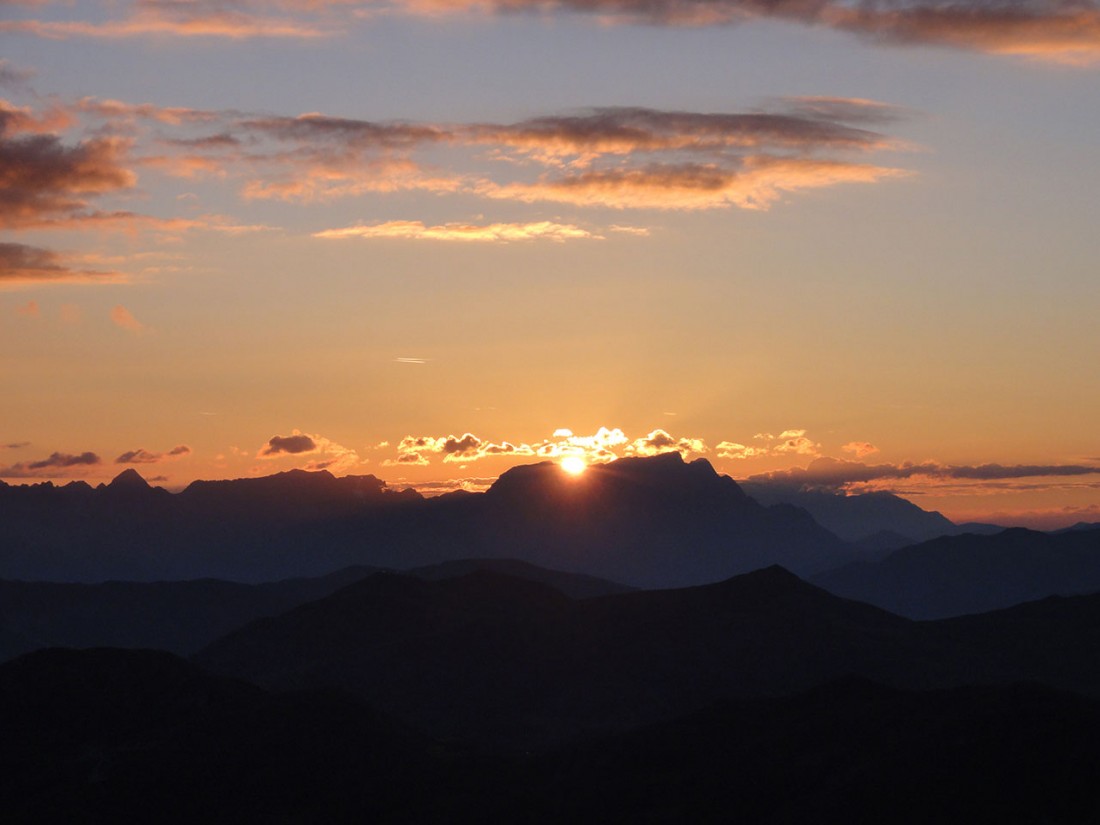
<point x="956" y="575"/>
<point x="106" y="736"/>
<point x="498" y="662"/>
<point x="128" y="736"/>
<point x="646" y="522"/>
<point x="847" y="752"/>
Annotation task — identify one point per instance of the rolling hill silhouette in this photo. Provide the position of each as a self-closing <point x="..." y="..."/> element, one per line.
<point x="183" y="617"/>
<point x="493" y="660"/>
<point x="956" y="575"/>
<point x="124" y="736"/>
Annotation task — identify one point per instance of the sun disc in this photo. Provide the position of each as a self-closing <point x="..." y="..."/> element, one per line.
<point x="573" y="464"/>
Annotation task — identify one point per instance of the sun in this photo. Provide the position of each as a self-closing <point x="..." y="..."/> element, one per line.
<point x="574" y="465"/>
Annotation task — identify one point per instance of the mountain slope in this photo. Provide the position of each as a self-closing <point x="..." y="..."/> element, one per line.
<point x="955" y="575"/>
<point x="504" y="662"/>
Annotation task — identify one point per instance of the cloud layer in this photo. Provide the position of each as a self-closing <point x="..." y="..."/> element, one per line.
<point x="1048" y="29"/>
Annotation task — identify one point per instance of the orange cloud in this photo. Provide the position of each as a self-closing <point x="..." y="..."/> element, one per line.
<point x="467" y="233"/>
<point x="606" y="444"/>
<point x="732" y="449"/>
<point x="860" y="448"/>
<point x="41" y="178"/>
<point x="22" y="265"/>
<point x="757" y="184"/>
<point x="122" y="317"/>
<point x="1043" y="29"/>
<point x="659" y="441"/>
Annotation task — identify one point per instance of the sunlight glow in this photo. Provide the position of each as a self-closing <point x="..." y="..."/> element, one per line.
<point x="574" y="465"/>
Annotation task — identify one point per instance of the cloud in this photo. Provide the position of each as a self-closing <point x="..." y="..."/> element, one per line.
<point x="839" y="474"/>
<point x="659" y="441"/>
<point x="414" y="450"/>
<point x="21" y="264"/>
<point x="732" y="449"/>
<point x="178" y="18"/>
<point x="1045" y="29"/>
<point x="626" y="157"/>
<point x="488" y="233"/>
<point x="29" y="309"/>
<point x="326" y="454"/>
<point x="606" y="444"/>
<point x="15" y="445"/>
<point x="751" y="182"/>
<point x="288" y="445"/>
<point x="12" y="77"/>
<point x="43" y="179"/>
<point x="796" y="442"/>
<point x="122" y="318"/>
<point x="860" y="448"/>
<point x="145" y="457"/>
<point x="56" y="465"/>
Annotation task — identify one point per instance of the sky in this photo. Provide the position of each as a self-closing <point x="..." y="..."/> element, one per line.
<point x="848" y="245"/>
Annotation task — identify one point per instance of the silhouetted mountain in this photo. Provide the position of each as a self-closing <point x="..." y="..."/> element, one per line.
<point x="854" y="517"/>
<point x="653" y="522"/>
<point x="180" y="617"/>
<point x="955" y="575"/>
<point x="881" y="544"/>
<point x="130" y="736"/>
<point x="498" y="661"/>
<point x="493" y="659"/>
<point x="1079" y="526"/>
<point x="572" y="585"/>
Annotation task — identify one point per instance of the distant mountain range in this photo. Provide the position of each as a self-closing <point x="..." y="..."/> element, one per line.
<point x="867" y="517"/>
<point x="955" y="575"/>
<point x="653" y="522"/>
<point x="185" y="616"/>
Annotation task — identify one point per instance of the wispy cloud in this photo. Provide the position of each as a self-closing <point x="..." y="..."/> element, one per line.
<point x="463" y="232"/>
<point x="840" y="474"/>
<point x="56" y="465"/>
<point x="1068" y="32"/>
<point x="75" y="166"/>
<point x="323" y="453"/>
<point x="21" y="265"/>
<point x="140" y="456"/>
<point x="122" y="318"/>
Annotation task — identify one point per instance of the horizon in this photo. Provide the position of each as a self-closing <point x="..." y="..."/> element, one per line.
<point x="430" y="241"/>
<point x="573" y="472"/>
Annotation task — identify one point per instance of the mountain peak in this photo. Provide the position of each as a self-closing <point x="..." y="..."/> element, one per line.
<point x="128" y="479"/>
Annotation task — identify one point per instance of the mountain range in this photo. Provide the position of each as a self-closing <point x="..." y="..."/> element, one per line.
<point x="655" y="522"/>
<point x="508" y="663"/>
<point x="488" y="697"/>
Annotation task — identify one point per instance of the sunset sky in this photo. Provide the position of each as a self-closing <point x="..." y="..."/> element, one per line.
<point x="851" y="244"/>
